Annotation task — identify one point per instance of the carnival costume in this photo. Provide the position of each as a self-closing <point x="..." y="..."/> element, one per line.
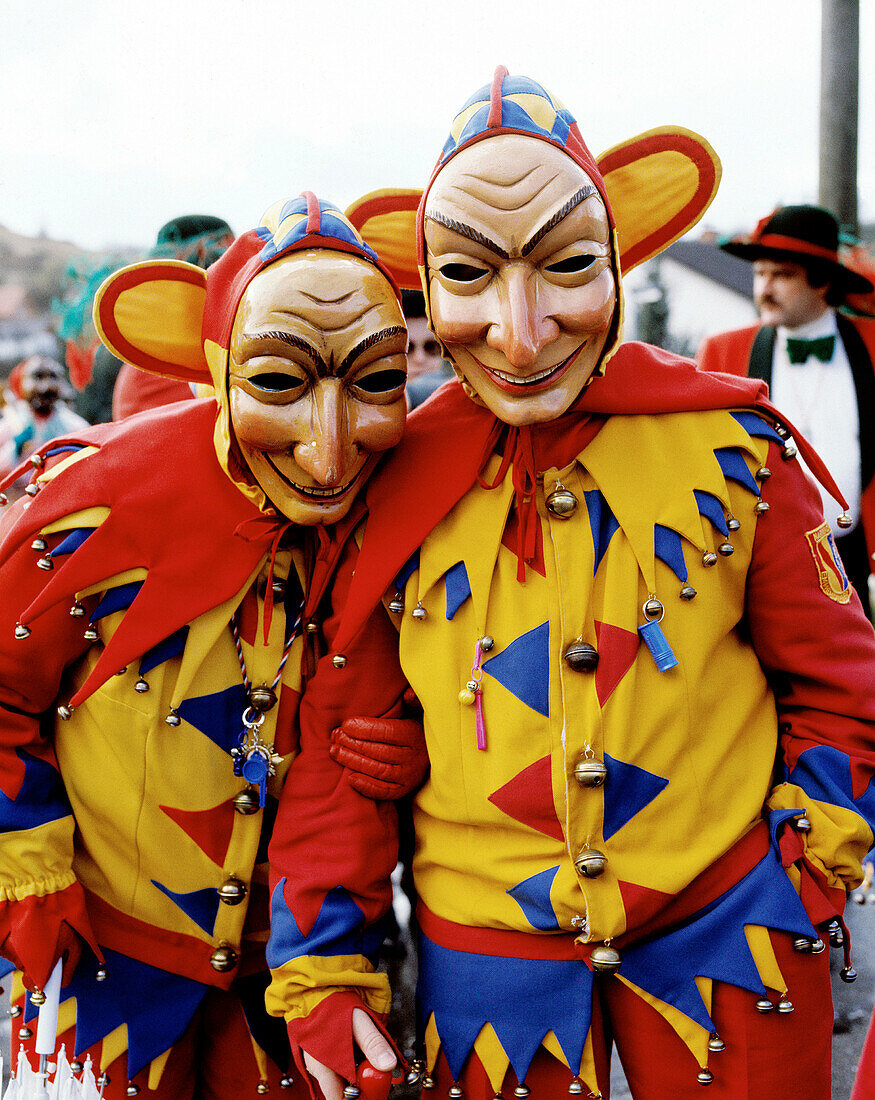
<point x="648" y="700"/>
<point x="144" y="741"/>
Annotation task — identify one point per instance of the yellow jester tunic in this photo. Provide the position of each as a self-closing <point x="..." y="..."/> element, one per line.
<point x="577" y="792"/>
<point x="123" y="814"/>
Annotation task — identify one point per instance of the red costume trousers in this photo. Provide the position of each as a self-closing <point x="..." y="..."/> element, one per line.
<point x="214" y="1060"/>
<point x="775" y="1055"/>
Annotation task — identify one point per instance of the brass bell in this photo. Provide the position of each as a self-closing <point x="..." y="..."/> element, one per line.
<point x="246" y="802"/>
<point x="605" y="959"/>
<point x="844" y="521"/>
<point x="37" y="460"/>
<point x="352" y="1092"/>
<point x="704" y="1076"/>
<point x="77" y="611"/>
<point x="802" y="824"/>
<point x="581" y="657"/>
<point x="590" y="772"/>
<point x="312" y="627"/>
<point x="591" y="863"/>
<point x="455" y="1091"/>
<point x="262" y="1087"/>
<point x="653" y="608"/>
<point x="24" y="1033"/>
<point x="223" y="958"/>
<point x="278" y="588"/>
<point x="39" y="543"/>
<point x="414" y="1075"/>
<point x="802" y="944"/>
<point x="576" y="1087"/>
<point x="338" y="660"/>
<point x="764" y="473"/>
<point x="173" y="719"/>
<point x="65" y="712"/>
<point x="764" y="1005"/>
<point x="726" y="548"/>
<point x="4" y="500"/>
<point x="262" y="698"/>
<point x="76" y="1066"/>
<point x="848" y="974"/>
<point x="761" y="507"/>
<point x="428" y="1083"/>
<point x="46" y="563"/>
<point x="103" y="1080"/>
<point x="100" y="974"/>
<point x="32" y="490"/>
<point x="15" y="1011"/>
<point x="817" y="946"/>
<point x="37" y="998"/>
<point x="91" y="634"/>
<point x="286" y="1082"/>
<point x="419" y="613"/>
<point x="396" y="604"/>
<point x="141" y="686"/>
<point x="688" y="592"/>
<point x="562" y="503"/>
<point x="784" y="1006"/>
<point x="733" y="524"/>
<point x="521" y="1090"/>
<point x="789" y="452"/>
<point x="836" y="934"/>
<point x="232" y="891"/>
<point x="715" y="1043"/>
<point x="22" y="631"/>
<point x="487" y="643"/>
<point x="132" y="1089"/>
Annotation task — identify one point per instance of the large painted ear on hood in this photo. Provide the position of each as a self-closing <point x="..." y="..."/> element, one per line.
<point x="386" y="220"/>
<point x="150" y="314"/>
<point x="659" y="184"/>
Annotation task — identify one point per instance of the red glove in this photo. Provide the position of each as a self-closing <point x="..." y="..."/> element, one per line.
<point x="386" y="757"/>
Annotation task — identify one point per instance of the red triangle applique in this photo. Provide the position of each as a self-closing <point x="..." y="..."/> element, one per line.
<point x="209" y="829"/>
<point x="528" y="798"/>
<point x="641" y="903"/>
<point x="247" y="617"/>
<point x="286" y="737"/>
<point x="510" y="536"/>
<point x="617" y="650"/>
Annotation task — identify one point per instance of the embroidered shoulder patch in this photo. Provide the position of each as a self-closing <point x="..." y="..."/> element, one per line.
<point x="831" y="574"/>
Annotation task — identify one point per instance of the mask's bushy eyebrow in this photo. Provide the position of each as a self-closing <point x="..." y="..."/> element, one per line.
<point x="576" y="199"/>
<point x="467" y="231"/>
<point x="286" y="338"/>
<point x="369" y="341"/>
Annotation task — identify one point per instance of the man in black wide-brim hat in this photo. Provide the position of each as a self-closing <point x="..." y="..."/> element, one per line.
<point x="817" y="362"/>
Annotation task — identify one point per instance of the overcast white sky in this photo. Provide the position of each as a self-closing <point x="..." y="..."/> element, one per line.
<point x="115" y="117"/>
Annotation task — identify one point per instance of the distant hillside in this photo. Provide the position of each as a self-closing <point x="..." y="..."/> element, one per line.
<point x="37" y="263"/>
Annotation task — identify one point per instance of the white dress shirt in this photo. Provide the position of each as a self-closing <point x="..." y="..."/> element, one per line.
<point x="820" y="400"/>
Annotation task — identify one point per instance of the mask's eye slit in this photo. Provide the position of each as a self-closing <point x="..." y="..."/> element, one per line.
<point x="572" y="265"/>
<point x="462" y="273"/>
<point x="276" y="382"/>
<point x="381" y="381"/>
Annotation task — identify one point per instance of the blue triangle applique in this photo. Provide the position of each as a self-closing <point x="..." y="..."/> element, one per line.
<point x="735" y="468"/>
<point x="458" y="588"/>
<point x="712" y="509"/>
<point x="532" y="895"/>
<point x="754" y="425"/>
<point x="72" y="541"/>
<point x="173" y="646"/>
<point x="157" y="1006"/>
<point x="201" y="905"/>
<point x="603" y="524"/>
<point x="524" y="668"/>
<point x="668" y="547"/>
<point x="339" y="929"/>
<point x="41" y="798"/>
<point x="218" y="716"/>
<point x="627" y="791"/>
<point x="522" y="999"/>
<point x="713" y="944"/>
<point x="116" y="599"/>
<point x="824" y="773"/>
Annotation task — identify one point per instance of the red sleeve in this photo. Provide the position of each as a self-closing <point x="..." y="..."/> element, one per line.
<point x="40" y="901"/>
<point x="810" y="634"/>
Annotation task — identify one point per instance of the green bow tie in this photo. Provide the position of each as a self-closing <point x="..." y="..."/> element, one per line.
<point x="799" y="350"/>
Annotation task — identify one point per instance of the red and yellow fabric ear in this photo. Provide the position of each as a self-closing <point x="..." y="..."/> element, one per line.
<point x="659" y="184"/>
<point x="150" y="314"/>
<point x="386" y="220"/>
